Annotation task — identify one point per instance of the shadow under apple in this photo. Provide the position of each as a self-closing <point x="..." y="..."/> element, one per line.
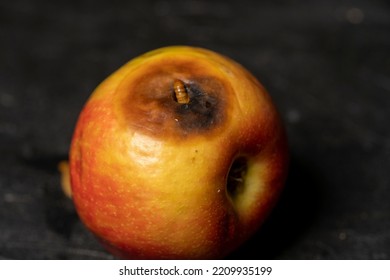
<point x="59" y="211"/>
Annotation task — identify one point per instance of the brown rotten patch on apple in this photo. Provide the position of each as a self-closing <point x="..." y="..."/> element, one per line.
<point x="178" y="100"/>
<point x="199" y="111"/>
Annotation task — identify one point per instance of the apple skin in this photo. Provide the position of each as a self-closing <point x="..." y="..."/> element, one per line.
<point x="155" y="179"/>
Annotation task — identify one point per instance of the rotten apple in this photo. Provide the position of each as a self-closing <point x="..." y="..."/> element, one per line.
<point x="180" y="154"/>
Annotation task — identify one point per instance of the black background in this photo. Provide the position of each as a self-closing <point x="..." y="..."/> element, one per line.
<point x="325" y="63"/>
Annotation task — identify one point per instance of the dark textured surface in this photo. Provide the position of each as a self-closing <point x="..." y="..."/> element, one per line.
<point x="325" y="63"/>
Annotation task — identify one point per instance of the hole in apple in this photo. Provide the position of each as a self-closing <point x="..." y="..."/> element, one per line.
<point x="236" y="177"/>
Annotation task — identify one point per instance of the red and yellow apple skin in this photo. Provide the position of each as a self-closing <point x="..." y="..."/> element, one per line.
<point x="157" y="179"/>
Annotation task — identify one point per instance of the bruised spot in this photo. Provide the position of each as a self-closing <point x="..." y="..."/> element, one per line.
<point x="150" y="100"/>
<point x="201" y="113"/>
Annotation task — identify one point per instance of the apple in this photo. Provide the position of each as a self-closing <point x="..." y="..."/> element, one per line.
<point x="180" y="154"/>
